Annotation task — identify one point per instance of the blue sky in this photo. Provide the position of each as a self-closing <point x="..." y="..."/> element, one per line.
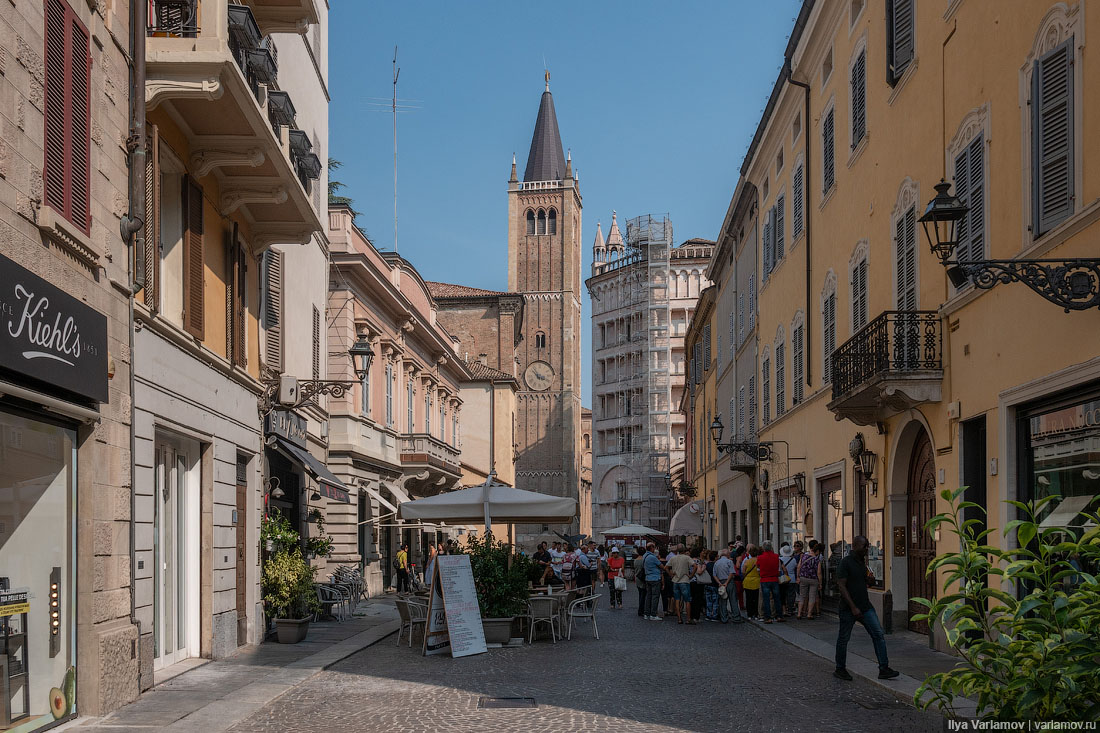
<point x="657" y="101"/>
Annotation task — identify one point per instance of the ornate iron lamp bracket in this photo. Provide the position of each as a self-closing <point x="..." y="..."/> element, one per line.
<point x="307" y="390"/>
<point x="1073" y="284"/>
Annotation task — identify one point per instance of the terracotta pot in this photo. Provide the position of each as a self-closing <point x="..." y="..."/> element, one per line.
<point x="291" y="630"/>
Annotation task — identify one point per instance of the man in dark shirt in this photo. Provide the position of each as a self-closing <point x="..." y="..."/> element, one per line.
<point x="851" y="580"/>
<point x="542" y="559"/>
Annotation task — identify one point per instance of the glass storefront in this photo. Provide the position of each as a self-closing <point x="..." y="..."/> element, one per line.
<point x="37" y="572"/>
<point x="1061" y="457"/>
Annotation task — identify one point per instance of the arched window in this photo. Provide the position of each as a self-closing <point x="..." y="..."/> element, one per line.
<point x="542" y="222"/>
<point x="540" y="340"/>
<point x="553" y="226"/>
<point x="530" y="222"/>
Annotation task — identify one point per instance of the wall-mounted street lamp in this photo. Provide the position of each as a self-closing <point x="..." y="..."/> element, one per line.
<point x="756" y="451"/>
<point x="1073" y="284"/>
<point x="865" y="460"/>
<point x="290" y="392"/>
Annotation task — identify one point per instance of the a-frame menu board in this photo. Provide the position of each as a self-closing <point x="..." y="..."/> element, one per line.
<point x="454" y="617"/>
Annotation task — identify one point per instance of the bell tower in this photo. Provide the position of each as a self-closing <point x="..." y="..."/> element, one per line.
<point x="544" y="266"/>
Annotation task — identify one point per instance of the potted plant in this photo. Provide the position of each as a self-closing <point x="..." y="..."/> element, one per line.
<point x="501" y="586"/>
<point x="289" y="595"/>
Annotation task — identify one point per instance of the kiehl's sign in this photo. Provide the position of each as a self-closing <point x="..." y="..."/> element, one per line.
<point x="50" y="336"/>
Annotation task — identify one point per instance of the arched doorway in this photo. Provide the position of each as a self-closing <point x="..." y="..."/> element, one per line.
<point x="920" y="507"/>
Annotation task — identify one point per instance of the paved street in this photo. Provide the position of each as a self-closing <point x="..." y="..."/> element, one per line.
<point x="639" y="676"/>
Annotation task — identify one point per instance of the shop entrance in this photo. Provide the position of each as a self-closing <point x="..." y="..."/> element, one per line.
<point x="831" y="534"/>
<point x="920" y="507"/>
<point x="175" y="552"/>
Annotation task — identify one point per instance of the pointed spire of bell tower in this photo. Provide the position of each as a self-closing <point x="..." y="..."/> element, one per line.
<point x="512" y="178"/>
<point x="598" y="244"/>
<point x="568" y="163"/>
<point x="614" y="236"/>
<point x="546" y="160"/>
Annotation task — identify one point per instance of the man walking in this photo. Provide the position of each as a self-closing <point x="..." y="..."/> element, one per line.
<point x="727" y="596"/>
<point x="402" y="563"/>
<point x="651" y="565"/>
<point x="851" y="579"/>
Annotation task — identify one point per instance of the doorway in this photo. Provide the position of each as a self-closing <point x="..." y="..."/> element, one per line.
<point x="175" y="551"/>
<point x="240" y="520"/>
<point x="920" y="504"/>
<point x="831" y="533"/>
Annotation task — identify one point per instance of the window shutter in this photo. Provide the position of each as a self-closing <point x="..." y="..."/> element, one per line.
<point x="240" y="349"/>
<point x="905" y="243"/>
<point x="780" y="379"/>
<point x="797" y="365"/>
<point x="752" y="301"/>
<point x="797" y="199"/>
<point x="767" y="246"/>
<point x="752" y="405"/>
<point x="231" y="266"/>
<point x="859" y="98"/>
<point x="66" y="101"/>
<point x="780" y="226"/>
<point x="766" y="371"/>
<point x="900" y="39"/>
<point x="827" y="153"/>
<point x="194" y="269"/>
<point x="861" y="273"/>
<point x="735" y="319"/>
<point x="706" y="347"/>
<point x="317" y="344"/>
<point x="740" y="318"/>
<point x="273" y="309"/>
<point x="740" y="411"/>
<point x="829" y="340"/>
<point x="1052" y="126"/>
<point x="975" y="218"/>
<point x="151" y="292"/>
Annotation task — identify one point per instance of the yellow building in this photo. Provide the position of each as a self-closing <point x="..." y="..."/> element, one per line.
<point x="887" y="381"/>
<point x="698" y="406"/>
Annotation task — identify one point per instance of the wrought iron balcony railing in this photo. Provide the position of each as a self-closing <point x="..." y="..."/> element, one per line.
<point x="178" y="18"/>
<point x="896" y="342"/>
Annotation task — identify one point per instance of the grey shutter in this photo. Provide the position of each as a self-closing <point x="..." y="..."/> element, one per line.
<point x="829" y="340"/>
<point x="706" y="347"/>
<point x="767" y="247"/>
<point x="740" y="319"/>
<point x="273" y="309"/>
<point x="859" y="98"/>
<point x="827" y="152"/>
<point x="905" y="243"/>
<point x="780" y="378"/>
<point x="970" y="189"/>
<point x="735" y="320"/>
<point x="797" y="199"/>
<point x="797" y="365"/>
<point x="752" y="405"/>
<point x="899" y="23"/>
<point x="316" y="343"/>
<point x="740" y="410"/>
<point x="151" y="295"/>
<point x="1052" y="132"/>
<point x="859" y="296"/>
<point x="780" y="226"/>
<point x="752" y="301"/>
<point x="766" y="371"/>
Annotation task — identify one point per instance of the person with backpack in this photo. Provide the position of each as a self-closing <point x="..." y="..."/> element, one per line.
<point x="569" y="567"/>
<point x="401" y="564"/>
<point x="809" y="581"/>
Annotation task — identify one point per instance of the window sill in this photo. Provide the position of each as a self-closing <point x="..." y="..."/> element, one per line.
<point x="901" y="83"/>
<point x="857" y="151"/>
<point x="64" y="234"/>
<point x="826" y="196"/>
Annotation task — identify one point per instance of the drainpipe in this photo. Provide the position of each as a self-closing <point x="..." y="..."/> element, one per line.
<point x="807" y="332"/>
<point x="133" y="223"/>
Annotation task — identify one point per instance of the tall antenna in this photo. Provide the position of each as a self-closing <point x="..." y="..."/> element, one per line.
<point x="396" y="73"/>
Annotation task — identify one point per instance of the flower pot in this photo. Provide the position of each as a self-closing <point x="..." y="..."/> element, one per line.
<point x="497" y="630"/>
<point x="291" y="630"/>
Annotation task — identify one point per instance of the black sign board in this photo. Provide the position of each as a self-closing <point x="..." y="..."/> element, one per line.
<point x="287" y="425"/>
<point x="50" y="336"/>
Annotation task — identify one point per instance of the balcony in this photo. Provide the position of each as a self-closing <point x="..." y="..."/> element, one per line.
<point x="284" y="16"/>
<point x="210" y="67"/>
<point x="892" y="364"/>
<point x="430" y="465"/>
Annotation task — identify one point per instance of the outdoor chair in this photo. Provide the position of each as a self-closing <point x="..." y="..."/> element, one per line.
<point x="543" y="610"/>
<point x="344" y="591"/>
<point x="583" y="608"/>
<point x="331" y="600"/>
<point x="412" y="615"/>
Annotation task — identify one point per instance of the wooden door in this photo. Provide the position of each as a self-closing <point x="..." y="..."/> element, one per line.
<point x="242" y="532"/>
<point x="920" y="506"/>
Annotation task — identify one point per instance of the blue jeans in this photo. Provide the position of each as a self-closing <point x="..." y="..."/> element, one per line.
<point x="874" y="628"/>
<point x="772" y="609"/>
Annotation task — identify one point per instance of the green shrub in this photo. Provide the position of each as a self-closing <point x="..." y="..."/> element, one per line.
<point x="288" y="585"/>
<point x="1027" y="655"/>
<point x="501" y="586"/>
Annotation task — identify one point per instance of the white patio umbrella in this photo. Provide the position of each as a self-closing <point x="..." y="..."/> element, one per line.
<point x="489" y="502"/>
<point x="632" y="530"/>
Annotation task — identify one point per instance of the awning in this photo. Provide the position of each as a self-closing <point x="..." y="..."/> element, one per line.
<point x="1066" y="514"/>
<point x="398" y="493"/>
<point x="380" y="499"/>
<point x="330" y="486"/>
<point x="688" y="520"/>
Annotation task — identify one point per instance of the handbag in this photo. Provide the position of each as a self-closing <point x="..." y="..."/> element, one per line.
<point x="620" y="582"/>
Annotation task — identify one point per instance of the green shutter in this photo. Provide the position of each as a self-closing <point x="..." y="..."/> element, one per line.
<point x="1052" y="132"/>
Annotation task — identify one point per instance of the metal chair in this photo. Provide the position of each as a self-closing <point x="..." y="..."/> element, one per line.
<point x="543" y="610"/>
<point x="418" y="616"/>
<point x="583" y="608"/>
<point x="410" y="618"/>
<point x="331" y="599"/>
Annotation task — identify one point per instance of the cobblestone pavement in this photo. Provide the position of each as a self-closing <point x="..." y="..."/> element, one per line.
<point x="639" y="676"/>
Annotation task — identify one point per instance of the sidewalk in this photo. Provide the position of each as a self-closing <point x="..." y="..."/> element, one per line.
<point x="213" y="696"/>
<point x="909" y="654"/>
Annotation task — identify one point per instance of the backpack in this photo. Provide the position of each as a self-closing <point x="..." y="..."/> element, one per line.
<point x="396" y="564"/>
<point x="567" y="567"/>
